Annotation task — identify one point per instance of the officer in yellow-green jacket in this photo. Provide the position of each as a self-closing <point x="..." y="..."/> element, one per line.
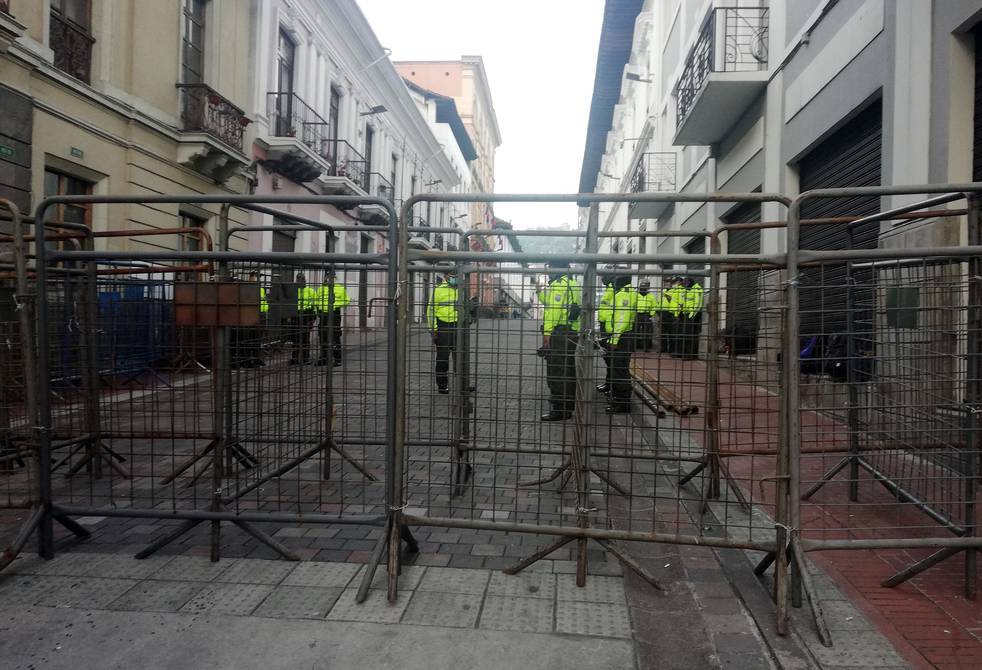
<point x="332" y="297"/>
<point x="604" y="315"/>
<point x="301" y="324"/>
<point x="442" y="319"/>
<point x="622" y="343"/>
<point x="692" y="304"/>
<point x="560" y="324"/>
<point x="647" y="306"/>
<point x="675" y="299"/>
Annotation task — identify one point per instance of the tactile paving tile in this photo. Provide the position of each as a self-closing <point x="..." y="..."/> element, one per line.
<point x="156" y="596"/>
<point x="375" y="609"/>
<point x="193" y="569"/>
<point x="408" y="580"/>
<point x="90" y="592"/>
<point x="529" y="615"/>
<point x="257" y="571"/>
<point x="523" y="585"/>
<point x="454" y="580"/>
<point x="325" y="575"/>
<point x="116" y="566"/>
<point x="227" y="599"/>
<point x="298" y="602"/>
<point x="597" y="589"/>
<point x="583" y="618"/>
<point x="29" y="589"/>
<point x="456" y="610"/>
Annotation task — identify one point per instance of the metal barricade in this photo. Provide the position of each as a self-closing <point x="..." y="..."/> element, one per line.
<point x="252" y="437"/>
<point x="474" y="454"/>
<point x="883" y="437"/>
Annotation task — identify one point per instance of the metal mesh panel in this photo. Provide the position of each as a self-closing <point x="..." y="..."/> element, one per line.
<point x="889" y="392"/>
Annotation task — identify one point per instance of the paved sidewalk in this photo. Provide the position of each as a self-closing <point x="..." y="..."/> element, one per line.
<point x="112" y="611"/>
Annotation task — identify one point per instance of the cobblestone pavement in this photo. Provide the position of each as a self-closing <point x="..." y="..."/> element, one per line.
<point x="712" y="614"/>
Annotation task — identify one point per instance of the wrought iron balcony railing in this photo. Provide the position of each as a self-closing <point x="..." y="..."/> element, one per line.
<point x="72" y="46"/>
<point x="380" y="187"/>
<point x="655" y="173"/>
<point x="732" y="39"/>
<point x="205" y="110"/>
<point x="292" y="117"/>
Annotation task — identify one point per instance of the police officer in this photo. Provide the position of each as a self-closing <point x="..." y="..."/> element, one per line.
<point x="254" y="336"/>
<point x="693" y="300"/>
<point x="303" y="321"/>
<point x="622" y="339"/>
<point x="647" y="304"/>
<point x="560" y="323"/>
<point x="604" y="316"/>
<point x="332" y="297"/>
<point x="676" y="327"/>
<point x="442" y="317"/>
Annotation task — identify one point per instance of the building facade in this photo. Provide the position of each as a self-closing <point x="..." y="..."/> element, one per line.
<point x="782" y="97"/>
<point x="128" y="98"/>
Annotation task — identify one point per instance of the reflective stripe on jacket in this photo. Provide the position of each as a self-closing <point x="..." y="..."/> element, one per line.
<point x="558" y="297"/>
<point x="605" y="308"/>
<point x="625" y="313"/>
<point x="676" y="296"/>
<point x="442" y="306"/>
<point x="647" y="304"/>
<point x="306" y="298"/>
<point x="341" y="299"/>
<point x="694" y="298"/>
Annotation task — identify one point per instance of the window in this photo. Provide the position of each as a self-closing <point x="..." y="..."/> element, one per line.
<point x="56" y="183"/>
<point x="285" y="59"/>
<point x="193" y="43"/>
<point x="369" y="142"/>
<point x="283" y="240"/>
<point x="333" y="123"/>
<point x="393" y="176"/>
<point x="70" y="37"/>
<point x="191" y="241"/>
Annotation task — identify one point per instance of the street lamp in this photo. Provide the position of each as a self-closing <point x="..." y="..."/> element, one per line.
<point x="375" y="109"/>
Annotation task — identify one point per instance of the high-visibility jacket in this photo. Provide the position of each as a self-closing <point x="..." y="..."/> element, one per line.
<point x="558" y="298"/>
<point x="306" y="298"/>
<point x="647" y="304"/>
<point x="324" y="302"/>
<point x="263" y="301"/>
<point x="442" y="305"/>
<point x="693" y="302"/>
<point x="605" y="308"/>
<point x="676" y="296"/>
<point x="625" y="313"/>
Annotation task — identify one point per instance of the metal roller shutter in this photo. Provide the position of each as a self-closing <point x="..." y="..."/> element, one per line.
<point x="849" y="158"/>
<point x="742" y="298"/>
<point x="977" y="144"/>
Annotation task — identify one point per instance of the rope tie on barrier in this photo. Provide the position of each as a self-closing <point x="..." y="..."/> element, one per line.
<point x="585" y="510"/>
<point x="401" y="508"/>
<point x="793" y="281"/>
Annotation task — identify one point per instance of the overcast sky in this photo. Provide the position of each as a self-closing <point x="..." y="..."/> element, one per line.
<point x="540" y="56"/>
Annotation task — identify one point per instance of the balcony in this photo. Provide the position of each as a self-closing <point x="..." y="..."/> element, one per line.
<point x="724" y="73"/>
<point x="72" y="47"/>
<point x="213" y="132"/>
<point x="302" y="147"/>
<point x="379" y="187"/>
<point x="655" y="173"/>
<point x="10" y="28"/>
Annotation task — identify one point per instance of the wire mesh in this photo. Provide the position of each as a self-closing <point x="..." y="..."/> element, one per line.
<point x="483" y="451"/>
<point x="885" y="389"/>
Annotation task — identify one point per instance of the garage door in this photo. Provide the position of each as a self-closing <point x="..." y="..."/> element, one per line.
<point x="850" y="157"/>
<point x="742" y="296"/>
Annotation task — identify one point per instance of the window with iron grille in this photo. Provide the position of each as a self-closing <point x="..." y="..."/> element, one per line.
<point x="58" y="183"/>
<point x="70" y="37"/>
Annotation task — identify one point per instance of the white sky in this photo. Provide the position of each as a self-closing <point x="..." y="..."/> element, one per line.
<point x="540" y="56"/>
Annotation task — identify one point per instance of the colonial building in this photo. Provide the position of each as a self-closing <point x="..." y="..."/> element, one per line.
<point x="128" y="98"/>
<point x="782" y="97"/>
